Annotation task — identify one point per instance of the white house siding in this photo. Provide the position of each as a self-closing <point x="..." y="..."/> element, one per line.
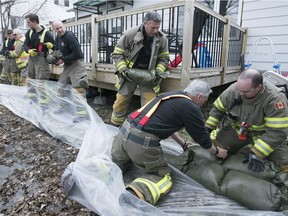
<point x="267" y="18"/>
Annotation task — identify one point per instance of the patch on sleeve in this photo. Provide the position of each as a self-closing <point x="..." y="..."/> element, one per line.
<point x="279" y="105"/>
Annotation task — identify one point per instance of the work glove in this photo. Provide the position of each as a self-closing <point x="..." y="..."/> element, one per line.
<point x="157" y="79"/>
<point x="49" y="45"/>
<point x="156" y="84"/>
<point x="255" y="163"/>
<point x="32" y="52"/>
<point x="125" y="75"/>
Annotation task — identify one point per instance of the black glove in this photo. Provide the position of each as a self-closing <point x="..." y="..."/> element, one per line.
<point x="125" y="75"/>
<point x="255" y="163"/>
<point x="157" y="79"/>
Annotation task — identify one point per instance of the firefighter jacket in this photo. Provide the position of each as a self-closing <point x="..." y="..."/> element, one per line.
<point x="266" y="113"/>
<point x="69" y="46"/>
<point x="130" y="44"/>
<point x="36" y="40"/>
<point x="8" y="46"/>
<point x="19" y="53"/>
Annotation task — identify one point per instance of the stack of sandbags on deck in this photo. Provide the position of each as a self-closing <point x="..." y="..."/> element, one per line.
<point x="265" y="190"/>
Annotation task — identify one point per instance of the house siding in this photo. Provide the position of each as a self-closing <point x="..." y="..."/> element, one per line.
<point x="266" y="18"/>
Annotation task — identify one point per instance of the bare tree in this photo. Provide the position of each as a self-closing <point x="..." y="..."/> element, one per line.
<point x="5" y="15"/>
<point x="227" y="7"/>
<point x="10" y="21"/>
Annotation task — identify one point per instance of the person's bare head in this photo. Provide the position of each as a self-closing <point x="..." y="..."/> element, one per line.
<point x="17" y="33"/>
<point x="9" y="34"/>
<point x="249" y="83"/>
<point x="152" y="21"/>
<point x="58" y="27"/>
<point x="32" y="21"/>
<point x="199" y="91"/>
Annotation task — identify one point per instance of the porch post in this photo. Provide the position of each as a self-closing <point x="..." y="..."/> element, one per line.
<point x="94" y="44"/>
<point x="187" y="42"/>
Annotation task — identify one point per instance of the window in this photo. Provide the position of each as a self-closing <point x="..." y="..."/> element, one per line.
<point x="56" y="2"/>
<point x="228" y="8"/>
<point x="66" y="3"/>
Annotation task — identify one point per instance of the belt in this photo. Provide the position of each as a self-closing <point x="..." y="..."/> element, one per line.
<point x="139" y="140"/>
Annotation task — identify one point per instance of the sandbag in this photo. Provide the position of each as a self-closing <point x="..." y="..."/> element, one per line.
<point x="54" y="56"/>
<point x="234" y="162"/>
<point x="141" y="76"/>
<point x="252" y="192"/>
<point x="183" y="161"/>
<point x="207" y="173"/>
<point x="145" y="76"/>
<point x="180" y="162"/>
<point x="201" y="153"/>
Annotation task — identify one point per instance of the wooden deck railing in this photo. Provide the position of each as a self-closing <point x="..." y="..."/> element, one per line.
<point x="202" y="43"/>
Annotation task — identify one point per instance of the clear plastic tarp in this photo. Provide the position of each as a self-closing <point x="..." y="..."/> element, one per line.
<point x="99" y="184"/>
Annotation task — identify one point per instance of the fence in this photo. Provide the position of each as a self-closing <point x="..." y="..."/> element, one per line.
<point x="209" y="42"/>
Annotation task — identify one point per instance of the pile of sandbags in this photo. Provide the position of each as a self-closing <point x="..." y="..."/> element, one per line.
<point x="265" y="190"/>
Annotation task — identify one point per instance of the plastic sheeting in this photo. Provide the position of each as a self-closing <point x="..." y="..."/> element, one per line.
<point x="99" y="184"/>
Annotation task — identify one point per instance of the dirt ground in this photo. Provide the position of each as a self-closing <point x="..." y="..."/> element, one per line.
<point x="32" y="162"/>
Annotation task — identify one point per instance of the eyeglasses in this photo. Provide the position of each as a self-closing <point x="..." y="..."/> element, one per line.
<point x="14" y="34"/>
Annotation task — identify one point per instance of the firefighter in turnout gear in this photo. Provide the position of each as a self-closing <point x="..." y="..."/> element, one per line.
<point x="10" y="64"/>
<point x="252" y="111"/>
<point x="138" y="139"/>
<point x="38" y="41"/>
<point x="21" y="58"/>
<point x="145" y="49"/>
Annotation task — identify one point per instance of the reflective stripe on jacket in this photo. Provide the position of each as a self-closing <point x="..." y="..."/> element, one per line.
<point x="130" y="44"/>
<point x="267" y="116"/>
<point x="40" y="46"/>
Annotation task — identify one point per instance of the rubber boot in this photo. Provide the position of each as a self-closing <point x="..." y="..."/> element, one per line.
<point x="4" y="78"/>
<point x="81" y="111"/>
<point x="32" y="93"/>
<point x="22" y="81"/>
<point x="15" y="79"/>
<point x="65" y="100"/>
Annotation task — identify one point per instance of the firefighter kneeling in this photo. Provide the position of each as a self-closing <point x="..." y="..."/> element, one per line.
<point x="138" y="140"/>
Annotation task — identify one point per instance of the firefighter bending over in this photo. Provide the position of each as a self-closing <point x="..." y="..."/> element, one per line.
<point x="252" y="111"/>
<point x="141" y="57"/>
<point x="138" y="140"/>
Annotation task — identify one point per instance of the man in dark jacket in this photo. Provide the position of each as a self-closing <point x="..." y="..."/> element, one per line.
<point x="138" y="140"/>
<point x="74" y="72"/>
